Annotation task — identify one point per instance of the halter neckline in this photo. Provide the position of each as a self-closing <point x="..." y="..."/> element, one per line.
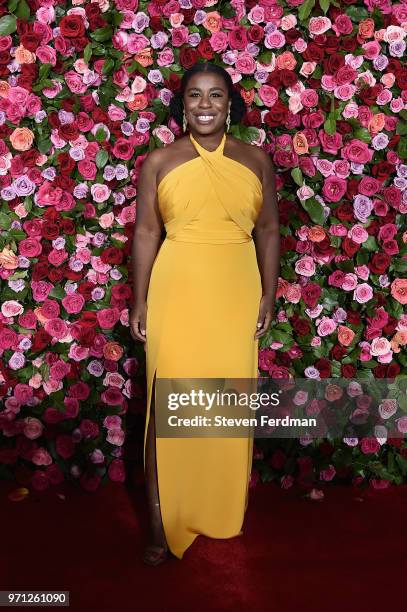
<point x="219" y="148"/>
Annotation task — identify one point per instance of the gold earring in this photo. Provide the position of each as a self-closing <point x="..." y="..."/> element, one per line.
<point x="184" y="121"/>
<point x="228" y="121"/>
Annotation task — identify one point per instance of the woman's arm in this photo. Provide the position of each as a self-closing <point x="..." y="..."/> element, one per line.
<point x="266" y="236"/>
<point x="146" y="241"/>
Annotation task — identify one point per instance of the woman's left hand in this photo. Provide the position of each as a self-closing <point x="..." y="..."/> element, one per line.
<point x="265" y="316"/>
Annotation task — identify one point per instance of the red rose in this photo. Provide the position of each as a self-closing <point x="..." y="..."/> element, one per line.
<point x="112" y="255"/>
<point x="380" y="262"/>
<point x="41" y="339"/>
<point x="344" y="212"/>
<point x="338" y="352"/>
<point x="350" y="247"/>
<point x="50" y="231"/>
<point x="123" y="149"/>
<point x="302" y="327"/>
<point x="66" y="163"/>
<point x="64" y="446"/>
<point x="68" y="131"/>
<point x="72" y="26"/>
<point x="323" y="366"/>
<point x="348" y="370"/>
<point x="187" y="57"/>
<point x="205" y="50"/>
<point x="277" y="460"/>
<point x="353" y="317"/>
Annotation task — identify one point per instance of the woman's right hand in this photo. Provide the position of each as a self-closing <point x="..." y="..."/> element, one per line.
<point x="137" y="322"/>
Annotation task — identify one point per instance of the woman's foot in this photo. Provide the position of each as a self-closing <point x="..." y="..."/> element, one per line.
<point x="155" y="555"/>
<point x="157" y="551"/>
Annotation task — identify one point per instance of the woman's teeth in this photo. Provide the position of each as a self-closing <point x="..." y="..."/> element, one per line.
<point x="205" y="118"/>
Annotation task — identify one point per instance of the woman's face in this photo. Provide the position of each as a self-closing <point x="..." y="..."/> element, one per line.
<point x="206" y="102"/>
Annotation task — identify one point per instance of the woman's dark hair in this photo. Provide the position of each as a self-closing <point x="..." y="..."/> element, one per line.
<point x="237" y="107"/>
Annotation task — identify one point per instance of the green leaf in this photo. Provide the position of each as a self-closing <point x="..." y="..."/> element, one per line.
<point x="305" y="9"/>
<point x="314" y="209"/>
<point x="102" y="34"/>
<point x="87" y="53"/>
<point x="362" y="134"/>
<point x="57" y="292"/>
<point x="12" y="5"/>
<point x="101" y="158"/>
<point x="370" y="244"/>
<point x="8" y="25"/>
<point x="108" y="65"/>
<point x="330" y="125"/>
<point x="248" y="83"/>
<point x="5" y="221"/>
<point x="324" y="4"/>
<point x="44" y="146"/>
<point x="43" y="71"/>
<point x="402" y="148"/>
<point x="297" y="176"/>
<point x="23" y="10"/>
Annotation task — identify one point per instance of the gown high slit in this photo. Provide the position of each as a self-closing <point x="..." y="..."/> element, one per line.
<point x="202" y="308"/>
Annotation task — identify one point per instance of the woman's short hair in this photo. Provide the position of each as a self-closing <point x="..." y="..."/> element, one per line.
<point x="237" y="107"/>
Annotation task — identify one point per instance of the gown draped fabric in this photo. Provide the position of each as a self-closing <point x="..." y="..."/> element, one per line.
<point x="202" y="308"/>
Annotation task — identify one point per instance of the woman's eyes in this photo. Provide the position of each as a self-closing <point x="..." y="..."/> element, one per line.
<point x="213" y="94"/>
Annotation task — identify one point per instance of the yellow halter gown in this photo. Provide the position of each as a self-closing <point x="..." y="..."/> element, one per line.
<point x="202" y="308"/>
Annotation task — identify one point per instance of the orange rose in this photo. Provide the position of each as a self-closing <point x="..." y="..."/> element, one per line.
<point x="4" y="87"/>
<point x="376" y="123"/>
<point x="300" y="143"/>
<point x="212" y="22"/>
<point x="22" y="139"/>
<point x="398" y="289"/>
<point x="345" y="335"/>
<point x="316" y="233"/>
<point x="286" y="61"/>
<point x="333" y="392"/>
<point x="140" y="102"/>
<point x="112" y="351"/>
<point x="40" y="316"/>
<point x="144" y="57"/>
<point x="399" y="338"/>
<point x="366" y="28"/>
<point x="24" y="56"/>
<point x="8" y="260"/>
<point x="247" y="95"/>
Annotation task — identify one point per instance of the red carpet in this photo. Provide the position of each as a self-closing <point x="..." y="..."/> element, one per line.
<point x="347" y="552"/>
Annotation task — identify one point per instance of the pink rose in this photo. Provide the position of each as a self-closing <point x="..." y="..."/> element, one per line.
<point x="326" y="326"/>
<point x="100" y="193"/>
<point x="33" y="428"/>
<point x="363" y="293"/>
<point x="30" y="247"/>
<point x="334" y="189"/>
<point x="357" y="151"/>
<point x="11" y="308"/>
<point x="108" y="317"/>
<point x="87" y="169"/>
<point x="50" y="309"/>
<point x="73" y="303"/>
<point x="57" y="328"/>
<point x="23" y="393"/>
<point x="41" y="457"/>
<point x="305" y="266"/>
<point x="116" y="471"/>
<point x="115" y="436"/>
<point x="268" y="95"/>
<point x="8" y="338"/>
<point x="369" y="446"/>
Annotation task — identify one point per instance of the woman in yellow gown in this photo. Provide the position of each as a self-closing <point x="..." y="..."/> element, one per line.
<point x="198" y="301"/>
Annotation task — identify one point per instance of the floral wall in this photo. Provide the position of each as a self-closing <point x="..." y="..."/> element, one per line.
<point x="84" y="94"/>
